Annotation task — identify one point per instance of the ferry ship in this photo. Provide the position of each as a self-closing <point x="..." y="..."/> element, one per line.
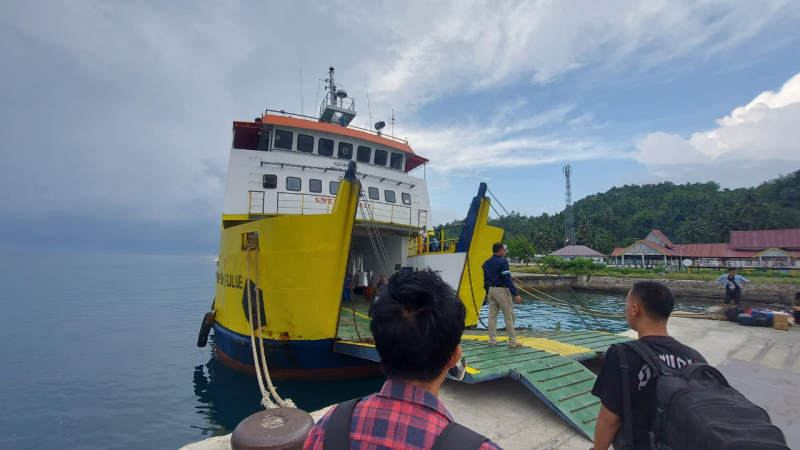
<point x="310" y="204"/>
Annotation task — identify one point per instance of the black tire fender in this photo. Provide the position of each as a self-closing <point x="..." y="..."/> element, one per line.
<point x="205" y="328"/>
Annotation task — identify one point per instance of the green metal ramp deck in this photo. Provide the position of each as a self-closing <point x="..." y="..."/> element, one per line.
<point x="548" y="365"/>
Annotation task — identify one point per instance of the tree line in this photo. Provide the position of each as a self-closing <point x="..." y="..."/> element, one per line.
<point x="690" y="213"/>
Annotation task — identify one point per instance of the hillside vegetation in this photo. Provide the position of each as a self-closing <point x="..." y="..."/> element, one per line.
<point x="687" y="213"/>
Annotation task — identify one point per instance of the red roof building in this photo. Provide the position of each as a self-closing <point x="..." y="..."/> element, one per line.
<point x="773" y="249"/>
<point x="579" y="251"/>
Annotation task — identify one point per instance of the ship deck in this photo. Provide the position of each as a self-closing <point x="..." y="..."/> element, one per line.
<point x="549" y="364"/>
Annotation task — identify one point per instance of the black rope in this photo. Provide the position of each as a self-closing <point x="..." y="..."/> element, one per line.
<point x="472" y="292"/>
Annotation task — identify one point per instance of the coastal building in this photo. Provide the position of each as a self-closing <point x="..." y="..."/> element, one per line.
<point x="765" y="249"/>
<point x="571" y="252"/>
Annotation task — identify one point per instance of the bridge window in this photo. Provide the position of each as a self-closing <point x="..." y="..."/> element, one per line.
<point x="305" y="143"/>
<point x="269" y="181"/>
<point x="389" y="196"/>
<point x="345" y="150"/>
<point x="284" y="139"/>
<point x="406" y="198"/>
<point x="397" y="161"/>
<point x="364" y="154"/>
<point x="374" y="194"/>
<point x="334" y="187"/>
<point x="315" y="185"/>
<point x="380" y="157"/>
<point x="293" y="184"/>
<point x="325" y="147"/>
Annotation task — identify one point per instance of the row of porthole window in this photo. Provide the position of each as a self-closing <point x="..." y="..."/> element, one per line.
<point x="285" y="140"/>
<point x="295" y="184"/>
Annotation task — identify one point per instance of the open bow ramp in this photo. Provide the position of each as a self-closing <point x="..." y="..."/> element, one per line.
<point x="548" y="365"/>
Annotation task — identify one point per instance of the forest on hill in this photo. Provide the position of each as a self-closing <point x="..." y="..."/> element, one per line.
<point x="687" y="213"/>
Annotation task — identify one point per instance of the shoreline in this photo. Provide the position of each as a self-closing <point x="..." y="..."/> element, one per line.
<point x="762" y="293"/>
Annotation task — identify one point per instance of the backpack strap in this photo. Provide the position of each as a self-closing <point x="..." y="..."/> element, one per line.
<point x="627" y="409"/>
<point x="337" y="430"/>
<point x="649" y="356"/>
<point x="707" y="369"/>
<point x="458" y="437"/>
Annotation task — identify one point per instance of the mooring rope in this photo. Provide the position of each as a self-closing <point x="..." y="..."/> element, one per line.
<point x="558" y="300"/>
<point x="266" y="401"/>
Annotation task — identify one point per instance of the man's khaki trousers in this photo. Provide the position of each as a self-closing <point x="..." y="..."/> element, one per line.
<point x="500" y="300"/>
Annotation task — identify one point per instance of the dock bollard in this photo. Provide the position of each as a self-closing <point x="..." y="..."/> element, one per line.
<point x="273" y="429"/>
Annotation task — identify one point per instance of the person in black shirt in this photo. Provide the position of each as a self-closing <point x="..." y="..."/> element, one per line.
<point x="647" y="308"/>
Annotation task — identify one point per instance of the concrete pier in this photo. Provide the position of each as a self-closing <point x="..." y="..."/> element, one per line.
<point x="763" y="363"/>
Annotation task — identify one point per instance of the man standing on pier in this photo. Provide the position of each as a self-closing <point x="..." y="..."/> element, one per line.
<point x="647" y="309"/>
<point x="499" y="289"/>
<point x="733" y="285"/>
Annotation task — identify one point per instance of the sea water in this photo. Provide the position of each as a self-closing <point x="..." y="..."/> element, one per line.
<point x="99" y="352"/>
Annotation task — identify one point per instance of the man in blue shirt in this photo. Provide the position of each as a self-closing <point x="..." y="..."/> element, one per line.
<point x="733" y="285"/>
<point x="499" y="289"/>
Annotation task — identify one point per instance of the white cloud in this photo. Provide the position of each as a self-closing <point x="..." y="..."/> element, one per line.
<point x="760" y="136"/>
<point x="439" y="49"/>
<point x="472" y="147"/>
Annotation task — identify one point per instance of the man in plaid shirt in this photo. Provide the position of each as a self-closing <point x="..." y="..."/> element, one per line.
<point x="417" y="325"/>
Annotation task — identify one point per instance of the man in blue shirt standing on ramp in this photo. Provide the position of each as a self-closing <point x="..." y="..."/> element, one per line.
<point x="499" y="289"/>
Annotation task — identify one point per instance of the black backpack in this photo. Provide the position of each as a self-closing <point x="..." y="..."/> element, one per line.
<point x="696" y="409"/>
<point x="732" y="313"/>
<point x="453" y="437"/>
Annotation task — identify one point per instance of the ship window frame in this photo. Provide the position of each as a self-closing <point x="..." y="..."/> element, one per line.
<point x="333" y="190"/>
<point x="306" y="138"/>
<point x="299" y="185"/>
<point x="392" y="160"/>
<point x="359" y="152"/>
<point x="277" y="139"/>
<point x="320" y="146"/>
<point x="269" y="185"/>
<point x="384" y="154"/>
<point x="387" y="197"/>
<point x="406" y="198"/>
<point x="311" y="183"/>
<point x="375" y="190"/>
<point x="343" y="145"/>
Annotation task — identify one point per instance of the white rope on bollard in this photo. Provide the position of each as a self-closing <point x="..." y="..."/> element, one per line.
<point x="266" y="401"/>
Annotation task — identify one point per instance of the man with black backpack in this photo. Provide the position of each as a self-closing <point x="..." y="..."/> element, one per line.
<point x="417" y="323"/>
<point x="657" y="393"/>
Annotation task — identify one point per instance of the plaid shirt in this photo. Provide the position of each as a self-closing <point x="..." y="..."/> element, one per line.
<point x="401" y="416"/>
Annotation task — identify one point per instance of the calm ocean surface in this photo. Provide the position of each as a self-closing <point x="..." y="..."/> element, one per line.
<point x="99" y="353"/>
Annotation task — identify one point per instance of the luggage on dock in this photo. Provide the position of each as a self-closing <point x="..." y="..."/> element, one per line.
<point x="732" y="313"/>
<point x="696" y="409"/>
<point x="747" y="320"/>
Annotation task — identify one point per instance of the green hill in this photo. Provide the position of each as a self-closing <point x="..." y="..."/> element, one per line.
<point x="686" y="213"/>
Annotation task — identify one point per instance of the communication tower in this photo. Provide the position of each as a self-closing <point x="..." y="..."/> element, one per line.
<point x="569" y="219"/>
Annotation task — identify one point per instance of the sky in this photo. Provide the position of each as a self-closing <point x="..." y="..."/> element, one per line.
<point x="115" y="117"/>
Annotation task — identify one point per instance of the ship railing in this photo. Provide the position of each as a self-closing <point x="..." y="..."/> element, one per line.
<point x="309" y="204"/>
<point x="316" y="119"/>
<point x="439" y="241"/>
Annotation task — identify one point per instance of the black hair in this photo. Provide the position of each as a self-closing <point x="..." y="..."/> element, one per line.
<point x="797" y="295"/>
<point x="417" y="323"/>
<point x="496" y="247"/>
<point x="731" y="269"/>
<point x="658" y="299"/>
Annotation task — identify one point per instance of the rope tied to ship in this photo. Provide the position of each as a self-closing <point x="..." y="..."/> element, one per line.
<point x="266" y="401"/>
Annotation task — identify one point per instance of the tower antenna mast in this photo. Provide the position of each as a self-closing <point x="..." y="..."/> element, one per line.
<point x="569" y="219"/>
